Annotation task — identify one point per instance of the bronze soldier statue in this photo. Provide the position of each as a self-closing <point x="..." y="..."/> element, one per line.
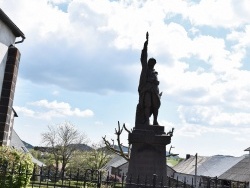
<point x="149" y="96"/>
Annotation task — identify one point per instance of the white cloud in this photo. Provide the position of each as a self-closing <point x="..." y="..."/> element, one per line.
<point x="39" y="18"/>
<point x="127" y="21"/>
<point x="124" y="23"/>
<point x="192" y="131"/>
<point x="242" y="139"/>
<point x="48" y="110"/>
<point x="213" y="13"/>
<point x="25" y="111"/>
<point x="221" y="13"/>
<point x="186" y="86"/>
<point x="168" y="125"/>
<point x="242" y="38"/>
<point x="242" y="9"/>
<point x="213" y="116"/>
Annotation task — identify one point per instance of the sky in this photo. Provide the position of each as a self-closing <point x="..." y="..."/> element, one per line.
<point x="80" y="62"/>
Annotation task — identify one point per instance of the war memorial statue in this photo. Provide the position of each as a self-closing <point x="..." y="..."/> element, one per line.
<point x="149" y="96"/>
<point x="148" y="142"/>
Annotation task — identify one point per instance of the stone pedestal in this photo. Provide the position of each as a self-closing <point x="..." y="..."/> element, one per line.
<point x="148" y="154"/>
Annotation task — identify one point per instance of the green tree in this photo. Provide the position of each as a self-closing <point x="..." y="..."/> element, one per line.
<point x="63" y="140"/>
<point x="93" y="159"/>
<point x="16" y="168"/>
<point x="97" y="158"/>
<point x="78" y="161"/>
<point x="43" y="156"/>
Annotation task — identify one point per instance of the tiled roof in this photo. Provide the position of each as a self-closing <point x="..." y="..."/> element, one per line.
<point x="207" y="166"/>
<point x="239" y="172"/>
<point x="16" y="142"/>
<point x="115" y="161"/>
<point x="119" y="162"/>
<point x="217" y="165"/>
<point x="188" y="166"/>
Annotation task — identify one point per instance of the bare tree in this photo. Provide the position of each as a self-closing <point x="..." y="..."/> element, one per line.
<point x="62" y="140"/>
<point x="120" y="145"/>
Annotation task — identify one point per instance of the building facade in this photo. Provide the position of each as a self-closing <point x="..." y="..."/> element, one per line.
<point x="10" y="35"/>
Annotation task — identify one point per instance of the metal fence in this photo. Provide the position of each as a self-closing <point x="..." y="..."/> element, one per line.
<point x="46" y="177"/>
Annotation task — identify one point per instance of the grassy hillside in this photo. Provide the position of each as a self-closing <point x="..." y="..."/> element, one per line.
<point x="173" y="161"/>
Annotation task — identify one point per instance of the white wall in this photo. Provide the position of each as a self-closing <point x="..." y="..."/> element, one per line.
<point x="188" y="178"/>
<point x="6" y="39"/>
<point x="6" y="35"/>
<point x="3" y="56"/>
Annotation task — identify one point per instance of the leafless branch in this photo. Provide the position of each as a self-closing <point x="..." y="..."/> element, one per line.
<point x="129" y="131"/>
<point x="170" y="133"/>
<point x="119" y="151"/>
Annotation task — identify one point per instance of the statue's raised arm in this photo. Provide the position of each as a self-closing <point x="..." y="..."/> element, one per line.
<point x="144" y="64"/>
<point x="144" y="52"/>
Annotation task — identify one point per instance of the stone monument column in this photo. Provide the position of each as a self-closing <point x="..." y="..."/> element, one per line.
<point x="148" y="152"/>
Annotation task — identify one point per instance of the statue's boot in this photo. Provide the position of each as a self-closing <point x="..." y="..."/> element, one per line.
<point x="147" y="115"/>
<point x="156" y="122"/>
<point x="155" y="114"/>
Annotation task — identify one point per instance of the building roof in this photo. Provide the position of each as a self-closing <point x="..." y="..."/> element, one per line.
<point x="217" y="165"/>
<point x="207" y="166"/>
<point x="119" y="162"/>
<point x="239" y="172"/>
<point x="188" y="166"/>
<point x="248" y="149"/>
<point x="18" y="144"/>
<point x="115" y="162"/>
<point x="15" y="114"/>
<point x="16" y="31"/>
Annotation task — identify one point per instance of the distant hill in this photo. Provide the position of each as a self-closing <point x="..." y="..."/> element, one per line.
<point x="27" y="145"/>
<point x="124" y="148"/>
<point x="81" y="147"/>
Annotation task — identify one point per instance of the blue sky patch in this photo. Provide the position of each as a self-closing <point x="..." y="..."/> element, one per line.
<point x="246" y="60"/>
<point x="195" y="64"/>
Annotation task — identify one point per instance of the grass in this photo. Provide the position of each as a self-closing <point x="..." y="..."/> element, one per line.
<point x="172" y="162"/>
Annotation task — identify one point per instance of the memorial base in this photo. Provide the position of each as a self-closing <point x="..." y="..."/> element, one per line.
<point x="148" y="155"/>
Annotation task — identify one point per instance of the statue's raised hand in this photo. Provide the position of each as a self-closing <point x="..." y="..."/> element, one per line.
<point x="146" y="42"/>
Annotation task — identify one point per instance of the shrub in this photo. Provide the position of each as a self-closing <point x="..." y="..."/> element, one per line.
<point x="15" y="168"/>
